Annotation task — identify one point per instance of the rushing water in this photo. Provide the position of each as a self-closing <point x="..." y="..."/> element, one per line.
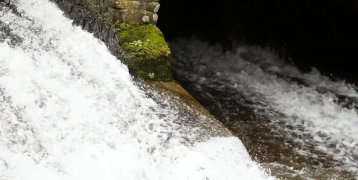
<point x="302" y="124"/>
<point x="70" y="110"/>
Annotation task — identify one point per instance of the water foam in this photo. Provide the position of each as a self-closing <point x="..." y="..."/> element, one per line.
<point x="259" y="76"/>
<point x="69" y="110"/>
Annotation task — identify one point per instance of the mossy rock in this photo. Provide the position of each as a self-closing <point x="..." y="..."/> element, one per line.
<point x="147" y="55"/>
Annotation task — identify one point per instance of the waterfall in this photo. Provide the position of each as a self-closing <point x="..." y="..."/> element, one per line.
<point x="70" y="110"/>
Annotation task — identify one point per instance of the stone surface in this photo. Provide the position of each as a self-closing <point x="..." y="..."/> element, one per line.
<point x="138" y="16"/>
<point x="102" y="17"/>
<point x="99" y="16"/>
<point x="137" y="11"/>
<point x="87" y="14"/>
<point x="147" y="54"/>
<point x="207" y="123"/>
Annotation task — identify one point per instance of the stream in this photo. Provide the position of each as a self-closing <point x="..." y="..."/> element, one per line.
<point x="300" y="125"/>
<point x="69" y="110"/>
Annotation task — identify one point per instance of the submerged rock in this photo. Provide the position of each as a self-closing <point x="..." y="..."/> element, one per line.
<point x="207" y="124"/>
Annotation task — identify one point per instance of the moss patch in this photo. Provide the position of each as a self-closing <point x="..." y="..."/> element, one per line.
<point x="147" y="54"/>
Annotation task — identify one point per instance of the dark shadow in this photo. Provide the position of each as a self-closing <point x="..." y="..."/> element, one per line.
<point x="322" y="34"/>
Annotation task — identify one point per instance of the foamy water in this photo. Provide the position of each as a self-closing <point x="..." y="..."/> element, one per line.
<point x="311" y="103"/>
<point x="69" y="110"/>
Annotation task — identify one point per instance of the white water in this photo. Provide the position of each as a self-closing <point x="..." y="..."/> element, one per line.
<point x="258" y="76"/>
<point x="69" y="110"/>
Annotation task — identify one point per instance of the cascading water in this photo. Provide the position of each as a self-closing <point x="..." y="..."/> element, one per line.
<point x="303" y="121"/>
<point x="69" y="110"/>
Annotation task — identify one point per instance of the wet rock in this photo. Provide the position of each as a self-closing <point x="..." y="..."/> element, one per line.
<point x="103" y="18"/>
<point x="207" y="124"/>
<point x="6" y="34"/>
<point x="94" y="17"/>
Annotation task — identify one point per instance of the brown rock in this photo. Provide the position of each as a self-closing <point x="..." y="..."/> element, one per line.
<point x="181" y="98"/>
<point x="138" y="16"/>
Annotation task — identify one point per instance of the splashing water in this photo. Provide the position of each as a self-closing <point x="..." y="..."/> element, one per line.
<point x="320" y="112"/>
<point x="69" y="110"/>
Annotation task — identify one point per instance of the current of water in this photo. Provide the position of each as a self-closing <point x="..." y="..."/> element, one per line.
<point x="70" y="110"/>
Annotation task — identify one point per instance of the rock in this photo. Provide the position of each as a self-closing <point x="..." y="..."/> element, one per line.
<point x="137" y="11"/>
<point x="143" y="41"/>
<point x="147" y="55"/>
<point x="153" y="6"/>
<point x="138" y="16"/>
<point x="152" y="61"/>
<point x="209" y="126"/>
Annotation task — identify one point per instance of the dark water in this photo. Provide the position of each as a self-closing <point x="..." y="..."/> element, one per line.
<point x="255" y="94"/>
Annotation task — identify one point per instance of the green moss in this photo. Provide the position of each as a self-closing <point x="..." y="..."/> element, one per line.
<point x="117" y="26"/>
<point x="147" y="53"/>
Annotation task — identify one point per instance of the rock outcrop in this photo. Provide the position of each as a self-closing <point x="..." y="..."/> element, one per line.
<point x="128" y="29"/>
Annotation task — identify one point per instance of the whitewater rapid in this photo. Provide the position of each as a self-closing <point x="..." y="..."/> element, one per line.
<point x="318" y="114"/>
<point x="70" y="110"/>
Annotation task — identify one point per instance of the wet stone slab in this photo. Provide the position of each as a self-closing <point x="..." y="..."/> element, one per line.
<point x="266" y="142"/>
